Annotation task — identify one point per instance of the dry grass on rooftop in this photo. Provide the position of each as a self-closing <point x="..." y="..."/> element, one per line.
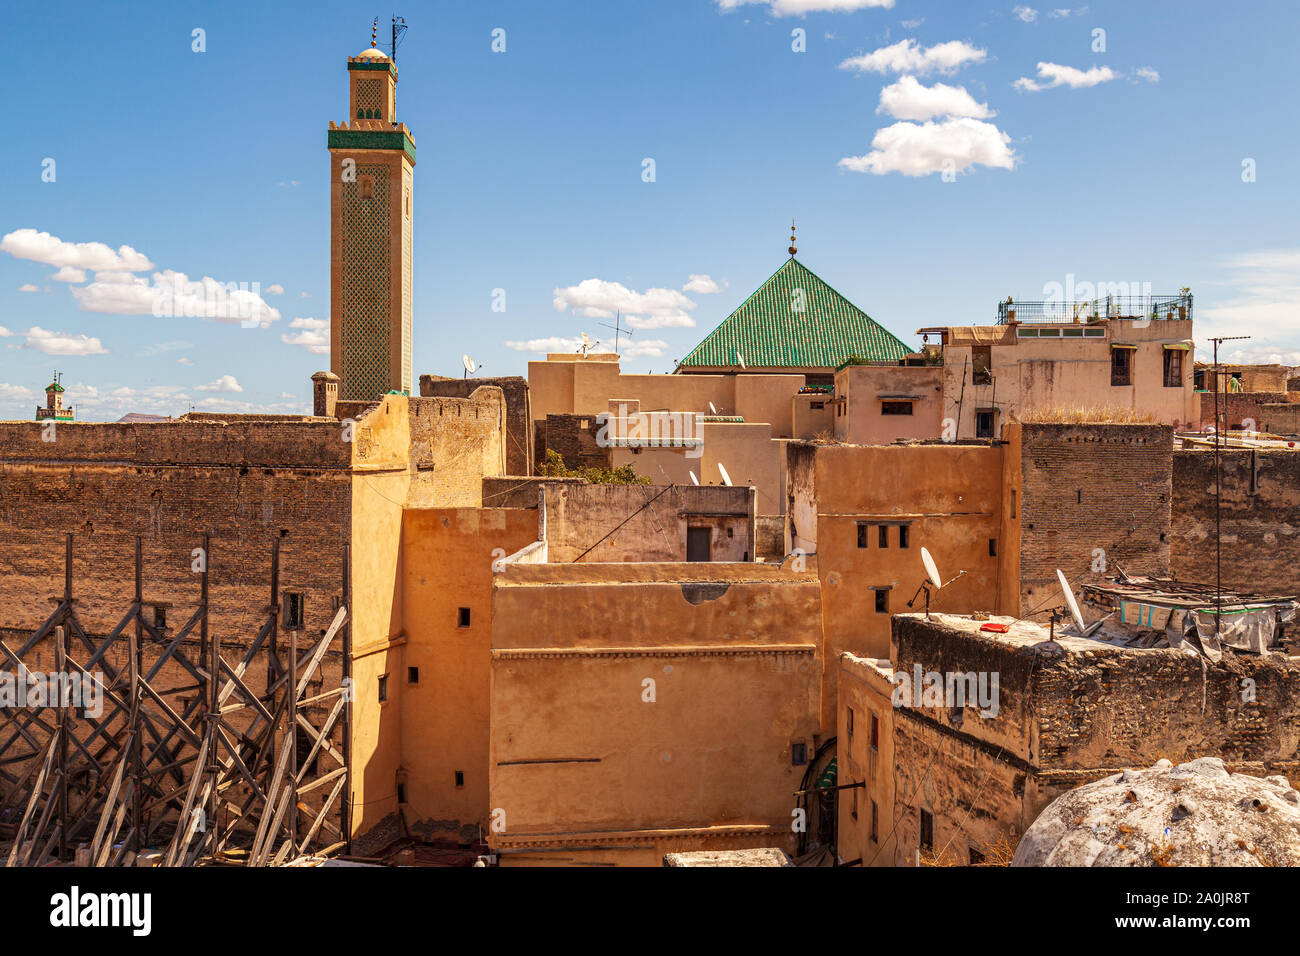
<point x="1090" y="415"/>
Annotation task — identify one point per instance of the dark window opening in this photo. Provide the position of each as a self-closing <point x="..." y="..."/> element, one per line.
<point x="159" y="618"/>
<point x="293" y="609"/>
<point x="1121" y="366"/>
<point x="816" y="405"/>
<point x="1198" y="380"/>
<point x="895" y="408"/>
<point x="1173" y="368"/>
<point x="462" y="617"/>
<point x="904" y="536"/>
<point x="981" y="360"/>
<point x="882" y="600"/>
<point x="993" y="547"/>
<point x="984" y="424"/>
<point x="927" y="830"/>
<point x="460" y="778"/>
<point x="875" y="822"/>
<point x="413" y="675"/>
<point x="798" y="754"/>
<point x="853" y="807"/>
<point x="698" y="542"/>
<point x="862" y="534"/>
<point x="401" y="793"/>
<point x="383" y="688"/>
<point x="849" y="723"/>
<point x="875" y="732"/>
<point x="882" y="536"/>
<point x="1013" y="503"/>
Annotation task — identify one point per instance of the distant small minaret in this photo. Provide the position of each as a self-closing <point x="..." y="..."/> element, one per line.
<point x="54" y="402"/>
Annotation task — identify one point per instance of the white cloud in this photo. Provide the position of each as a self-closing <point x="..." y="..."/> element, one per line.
<point x="918" y="150"/>
<point x="60" y="343"/>
<point x="913" y="24"/>
<point x="172" y="293"/>
<point x="15" y="392"/>
<point x="1053" y="74"/>
<point x="702" y="285"/>
<point x="1262" y="300"/>
<point x="69" y="274"/>
<point x="1148" y="74"/>
<point x="908" y="56"/>
<point x="652" y="309"/>
<point x="226" y="383"/>
<point x="314" y="335"/>
<point x="555" y="343"/>
<point x="4" y="333"/>
<point x="186" y="361"/>
<point x="304" y="295"/>
<point x="1025" y="14"/>
<point x="53" y="251"/>
<point x="275" y="289"/>
<point x="797" y="8"/>
<point x="28" y="287"/>
<point x="291" y="182"/>
<point x="1063" y="13"/>
<point x="909" y="99"/>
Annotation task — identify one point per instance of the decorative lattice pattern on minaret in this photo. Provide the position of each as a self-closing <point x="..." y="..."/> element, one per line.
<point x="370" y="98"/>
<point x="365" y="286"/>
<point x="407" y="263"/>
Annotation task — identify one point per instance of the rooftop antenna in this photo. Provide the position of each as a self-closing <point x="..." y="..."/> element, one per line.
<point x="587" y="345"/>
<point x="933" y="580"/>
<point x="618" y="329"/>
<point x="726" y="478"/>
<point x="1071" y="605"/>
<point x="470" y="367"/>
<point x="399" y="32"/>
<point x="1218" y="489"/>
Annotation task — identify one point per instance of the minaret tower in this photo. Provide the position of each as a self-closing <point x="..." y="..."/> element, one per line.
<point x="372" y="162"/>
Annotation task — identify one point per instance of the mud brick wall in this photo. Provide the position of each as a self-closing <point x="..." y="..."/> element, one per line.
<point x="1259" y="407"/>
<point x="1260" y="515"/>
<point x="454" y="443"/>
<point x="518" y="412"/>
<point x="1087" y="487"/>
<point x="244" y="483"/>
<point x="573" y="438"/>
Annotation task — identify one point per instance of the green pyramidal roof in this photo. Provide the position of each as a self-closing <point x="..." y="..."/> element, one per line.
<point x="770" y="331"/>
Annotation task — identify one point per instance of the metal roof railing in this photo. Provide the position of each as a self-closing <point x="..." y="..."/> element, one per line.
<point x="1153" y="307"/>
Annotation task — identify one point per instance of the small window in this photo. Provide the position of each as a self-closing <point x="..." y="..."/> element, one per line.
<point x="875" y="822"/>
<point x="882" y="600"/>
<point x="159" y="618"/>
<point x="413" y="675"/>
<point x="927" y="830"/>
<point x="904" y="536"/>
<point x="462" y="617"/>
<point x="882" y="535"/>
<point x="1121" y="366"/>
<point x="293" y="609"/>
<point x="993" y="547"/>
<point x="982" y="364"/>
<point x="853" y="806"/>
<point x="1173" y="368"/>
<point x="875" y="732"/>
<point x="984" y="424"/>
<point x="401" y="793"/>
<point x="1013" y="503"/>
<point x="460" y="779"/>
<point x="895" y="408"/>
<point x="383" y="688"/>
<point x="816" y="405"/>
<point x="849" y="722"/>
<point x="798" y="754"/>
<point x="1198" y="380"/>
<point x="862" y="534"/>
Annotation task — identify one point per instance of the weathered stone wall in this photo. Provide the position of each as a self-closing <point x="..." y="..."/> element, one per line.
<point x="1260" y="516"/>
<point x="573" y="438"/>
<point x="1237" y="409"/>
<point x="455" y="442"/>
<point x="518" y="412"/>
<point x="1090" y="487"/>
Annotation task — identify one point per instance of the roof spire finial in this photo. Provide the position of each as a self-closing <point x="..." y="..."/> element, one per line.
<point x="793" y="248"/>
<point x="374" y="34"/>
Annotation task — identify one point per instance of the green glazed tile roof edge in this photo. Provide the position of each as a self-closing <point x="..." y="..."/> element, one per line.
<point x="795" y="320"/>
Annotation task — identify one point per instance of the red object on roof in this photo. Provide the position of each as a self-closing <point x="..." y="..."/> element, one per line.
<point x="996" y="628"/>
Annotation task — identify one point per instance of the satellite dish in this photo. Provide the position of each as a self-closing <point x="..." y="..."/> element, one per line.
<point x="740" y="359"/>
<point x="468" y="362"/>
<point x="1071" y="603"/>
<point x="726" y="478"/>
<point x="694" y="480"/>
<point x="713" y="408"/>
<point x="931" y="570"/>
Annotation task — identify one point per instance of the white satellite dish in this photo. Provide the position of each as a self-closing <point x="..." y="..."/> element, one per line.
<point x="740" y="359"/>
<point x="694" y="480"/>
<point x="726" y="478"/>
<point x="712" y="408"/>
<point x="931" y="570"/>
<point x="468" y="362"/>
<point x="1071" y="603"/>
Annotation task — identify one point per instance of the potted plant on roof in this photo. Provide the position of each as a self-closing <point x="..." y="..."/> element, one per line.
<point x="1011" y="311"/>
<point x="1184" y="294"/>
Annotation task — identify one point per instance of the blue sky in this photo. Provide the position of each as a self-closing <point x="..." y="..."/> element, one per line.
<point x="938" y="156"/>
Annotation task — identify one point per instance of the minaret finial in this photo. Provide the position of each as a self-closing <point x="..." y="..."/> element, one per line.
<point x="374" y="34"/>
<point x="793" y="248"/>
